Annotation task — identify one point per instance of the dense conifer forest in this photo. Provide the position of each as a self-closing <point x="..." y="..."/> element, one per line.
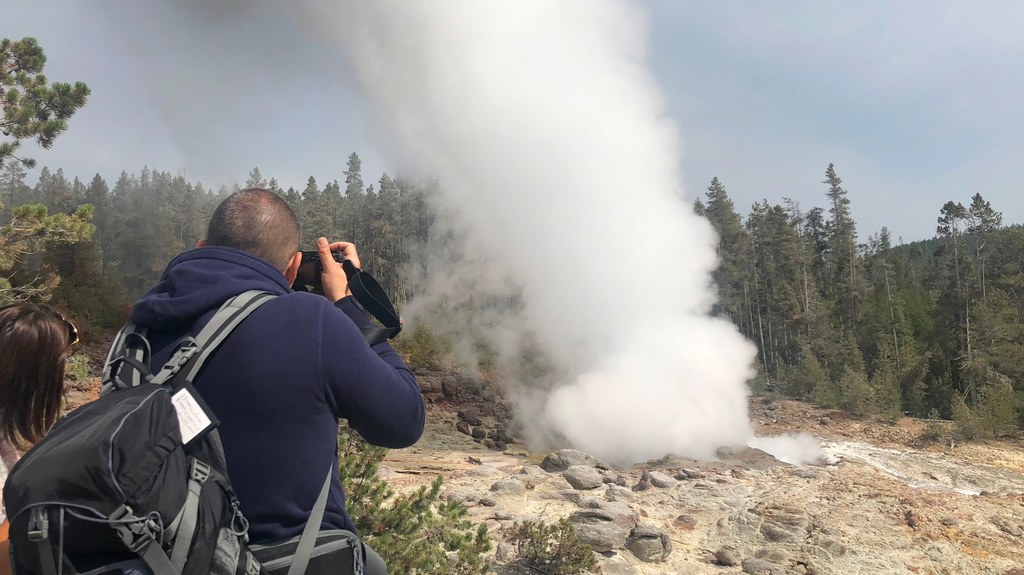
<point x="931" y="328"/>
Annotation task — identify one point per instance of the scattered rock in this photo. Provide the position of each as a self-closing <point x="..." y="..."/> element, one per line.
<point x="463" y="495"/>
<point x="689" y="474"/>
<point x="777" y="556"/>
<point x="463" y="427"/>
<point x="832" y="547"/>
<point x="755" y="566"/>
<point x="488" y="501"/>
<point x="484" y="471"/>
<point x="564" y="458"/>
<point x="512" y="487"/>
<point x="385" y="472"/>
<point x="618" y="566"/>
<point x="685" y="522"/>
<point x="776" y="533"/>
<point x="806" y="472"/>
<point x="614" y="478"/>
<point x="505" y="552"/>
<point x="727" y="557"/>
<point x="469" y="384"/>
<point x="748" y="457"/>
<point x="951" y="522"/>
<point x="570" y="495"/>
<point x="609" y="511"/>
<point x="912" y="518"/>
<point x="619" y="493"/>
<point x="583" y="477"/>
<point x="478" y="433"/>
<point x="659" y="479"/>
<point x="449" y="387"/>
<point x="825" y="420"/>
<point x="430" y="385"/>
<point x="1007" y="526"/>
<point x="650" y="544"/>
<point x="644" y="483"/>
<point x="603" y="536"/>
<point x="533" y="471"/>
<point x="470" y="418"/>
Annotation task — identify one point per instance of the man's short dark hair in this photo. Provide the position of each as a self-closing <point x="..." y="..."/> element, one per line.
<point x="258" y="222"/>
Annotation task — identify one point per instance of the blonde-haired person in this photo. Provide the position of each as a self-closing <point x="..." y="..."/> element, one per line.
<point x="34" y="342"/>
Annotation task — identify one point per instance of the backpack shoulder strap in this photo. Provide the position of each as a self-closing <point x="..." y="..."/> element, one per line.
<point x="129" y="342"/>
<point x="194" y="352"/>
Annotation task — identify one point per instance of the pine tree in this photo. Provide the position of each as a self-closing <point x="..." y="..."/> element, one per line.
<point x="732" y="276"/>
<point x="256" y="179"/>
<point x="353" y="222"/>
<point x="982" y="222"/>
<point x="955" y="301"/>
<point x="845" y="274"/>
<point x="32" y="110"/>
<point x="12" y="189"/>
<point x="413" y="533"/>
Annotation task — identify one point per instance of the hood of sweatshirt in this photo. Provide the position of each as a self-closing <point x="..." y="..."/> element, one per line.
<point x="199" y="281"/>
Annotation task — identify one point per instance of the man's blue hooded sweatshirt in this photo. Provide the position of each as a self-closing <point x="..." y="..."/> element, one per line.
<point x="280" y="383"/>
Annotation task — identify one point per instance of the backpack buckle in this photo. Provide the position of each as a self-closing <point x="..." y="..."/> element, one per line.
<point x="186" y="350"/>
<point x="38" y="525"/>
<point x="135" y="532"/>
<point x="200" y="471"/>
<point x="252" y="566"/>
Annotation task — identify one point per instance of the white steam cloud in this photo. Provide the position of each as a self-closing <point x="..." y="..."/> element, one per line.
<point x="548" y="136"/>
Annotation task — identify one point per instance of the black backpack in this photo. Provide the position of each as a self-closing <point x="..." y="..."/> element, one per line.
<point x="135" y="481"/>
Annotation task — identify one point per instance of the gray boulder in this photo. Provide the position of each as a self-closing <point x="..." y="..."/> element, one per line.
<point x="659" y="479"/>
<point x="619" y="493"/>
<point x="564" y="458"/>
<point x="618" y="566"/>
<point x="602" y="537"/>
<point x="755" y="566"/>
<point x="584" y="477"/>
<point x="649" y="543"/>
<point x="609" y="512"/>
<point x="509" y="487"/>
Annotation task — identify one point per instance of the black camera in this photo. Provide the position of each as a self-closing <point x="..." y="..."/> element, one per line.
<point x="365" y="289"/>
<point x="308" y="277"/>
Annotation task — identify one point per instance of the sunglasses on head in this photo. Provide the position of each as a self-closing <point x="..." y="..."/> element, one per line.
<point x="72" y="330"/>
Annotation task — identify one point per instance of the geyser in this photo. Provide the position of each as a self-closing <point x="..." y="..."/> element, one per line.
<point x="557" y="164"/>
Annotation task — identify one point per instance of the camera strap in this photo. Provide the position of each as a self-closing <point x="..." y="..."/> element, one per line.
<point x="369" y="293"/>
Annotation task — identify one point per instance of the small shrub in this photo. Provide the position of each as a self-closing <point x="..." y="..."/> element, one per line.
<point x="76" y="367"/>
<point x="552" y="548"/>
<point x="413" y="533"/>
<point x="856" y="394"/>
<point x="933" y="432"/>
<point x="966" y="421"/>
<point x="424" y="348"/>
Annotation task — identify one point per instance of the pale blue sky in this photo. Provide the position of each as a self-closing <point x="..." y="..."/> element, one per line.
<point x="916" y="102"/>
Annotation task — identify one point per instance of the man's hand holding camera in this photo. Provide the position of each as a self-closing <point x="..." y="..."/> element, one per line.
<point x="333" y="278"/>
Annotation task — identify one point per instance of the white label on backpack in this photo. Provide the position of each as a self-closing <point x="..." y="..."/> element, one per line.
<point x="192" y="418"/>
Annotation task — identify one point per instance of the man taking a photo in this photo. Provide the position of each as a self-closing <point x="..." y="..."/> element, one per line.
<point x="288" y="373"/>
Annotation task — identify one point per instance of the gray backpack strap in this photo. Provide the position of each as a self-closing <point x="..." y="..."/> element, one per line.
<point x="121" y="346"/>
<point x="304" y="550"/>
<point x="194" y="352"/>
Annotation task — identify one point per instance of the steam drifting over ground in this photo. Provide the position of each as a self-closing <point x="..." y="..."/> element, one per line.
<point x="558" y="168"/>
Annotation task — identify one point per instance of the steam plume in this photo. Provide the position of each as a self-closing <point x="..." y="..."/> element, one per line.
<point x="548" y="136"/>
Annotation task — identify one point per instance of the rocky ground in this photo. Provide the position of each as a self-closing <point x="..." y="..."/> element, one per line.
<point x="882" y="501"/>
